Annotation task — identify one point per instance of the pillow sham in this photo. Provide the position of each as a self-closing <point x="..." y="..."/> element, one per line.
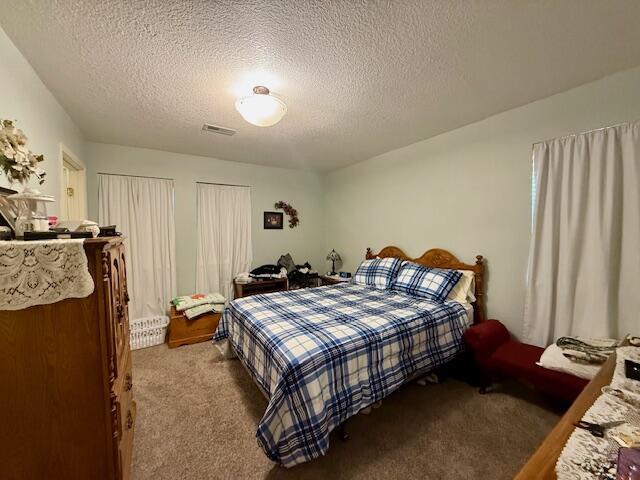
<point x="462" y="292"/>
<point x="430" y="283"/>
<point x="378" y="272"/>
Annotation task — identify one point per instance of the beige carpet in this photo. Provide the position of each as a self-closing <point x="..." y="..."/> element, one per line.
<point x="197" y="417"/>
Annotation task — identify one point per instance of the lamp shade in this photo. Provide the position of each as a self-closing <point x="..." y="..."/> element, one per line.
<point x="333" y="256"/>
<point x="261" y="109"/>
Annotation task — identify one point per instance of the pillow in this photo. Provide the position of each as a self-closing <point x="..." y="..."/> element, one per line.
<point x="378" y="272"/>
<point x="430" y="283"/>
<point x="462" y="292"/>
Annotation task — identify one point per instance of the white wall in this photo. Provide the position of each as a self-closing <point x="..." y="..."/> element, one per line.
<point x="303" y="190"/>
<point x="468" y="190"/>
<point x="23" y="97"/>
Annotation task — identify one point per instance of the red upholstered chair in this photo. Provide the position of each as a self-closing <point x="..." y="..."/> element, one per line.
<point x="498" y="355"/>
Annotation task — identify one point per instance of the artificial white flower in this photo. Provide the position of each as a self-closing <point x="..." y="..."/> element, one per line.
<point x="16" y="160"/>
<point x="19" y="137"/>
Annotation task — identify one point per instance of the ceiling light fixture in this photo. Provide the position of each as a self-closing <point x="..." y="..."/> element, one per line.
<point x="261" y="108"/>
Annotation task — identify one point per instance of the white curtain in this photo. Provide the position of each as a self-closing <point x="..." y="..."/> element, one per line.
<point x="143" y="210"/>
<point x="224" y="236"/>
<point x="584" y="260"/>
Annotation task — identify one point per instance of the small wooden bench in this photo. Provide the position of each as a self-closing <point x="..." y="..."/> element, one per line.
<point x="498" y="355"/>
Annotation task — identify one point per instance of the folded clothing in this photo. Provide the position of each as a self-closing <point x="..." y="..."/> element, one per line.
<point x="194" y="312"/>
<point x="282" y="273"/>
<point x="243" y="277"/>
<point x="587" y="350"/>
<point x="553" y="359"/>
<point x="189" y="301"/>
<point x="266" y="270"/>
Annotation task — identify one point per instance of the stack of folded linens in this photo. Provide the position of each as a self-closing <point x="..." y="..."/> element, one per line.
<point x="198" y="304"/>
<point x="578" y="356"/>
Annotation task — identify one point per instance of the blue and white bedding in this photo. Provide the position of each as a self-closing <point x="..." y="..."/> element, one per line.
<point x="323" y="354"/>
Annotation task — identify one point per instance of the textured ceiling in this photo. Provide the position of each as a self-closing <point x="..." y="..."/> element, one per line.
<point x="359" y="77"/>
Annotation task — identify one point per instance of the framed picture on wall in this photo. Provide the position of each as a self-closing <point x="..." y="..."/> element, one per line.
<point x="273" y="220"/>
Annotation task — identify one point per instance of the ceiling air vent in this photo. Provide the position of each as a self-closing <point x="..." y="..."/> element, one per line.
<point x="218" y="129"/>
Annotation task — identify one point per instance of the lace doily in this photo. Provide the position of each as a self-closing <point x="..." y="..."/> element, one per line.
<point x="582" y="446"/>
<point x="42" y="272"/>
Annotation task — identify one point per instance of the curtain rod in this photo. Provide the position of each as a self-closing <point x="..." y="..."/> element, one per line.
<point x="224" y="184"/>
<point x="163" y="178"/>
<point x="585" y="132"/>
<point x="134" y="176"/>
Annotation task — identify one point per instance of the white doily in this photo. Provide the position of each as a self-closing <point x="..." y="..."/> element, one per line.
<point x="583" y="446"/>
<point x="42" y="272"/>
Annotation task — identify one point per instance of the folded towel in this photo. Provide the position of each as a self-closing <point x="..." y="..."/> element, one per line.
<point x="553" y="359"/>
<point x="194" y="312"/>
<point x="243" y="277"/>
<point x="218" y="308"/>
<point x="189" y="301"/>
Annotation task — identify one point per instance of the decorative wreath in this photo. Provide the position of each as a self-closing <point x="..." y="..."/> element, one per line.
<point x="289" y="210"/>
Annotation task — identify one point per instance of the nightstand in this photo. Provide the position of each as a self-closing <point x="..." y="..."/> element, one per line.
<point x="332" y="280"/>
<point x="257" y="286"/>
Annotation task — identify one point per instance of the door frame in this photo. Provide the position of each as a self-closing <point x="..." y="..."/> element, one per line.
<point x="66" y="154"/>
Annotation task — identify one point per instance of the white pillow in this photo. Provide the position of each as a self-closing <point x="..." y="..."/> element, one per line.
<point x="553" y="359"/>
<point x="463" y="291"/>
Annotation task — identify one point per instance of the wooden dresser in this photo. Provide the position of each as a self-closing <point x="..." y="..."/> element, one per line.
<point x="66" y="407"/>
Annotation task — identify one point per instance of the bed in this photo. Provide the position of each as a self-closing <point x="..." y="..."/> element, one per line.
<point x="320" y="355"/>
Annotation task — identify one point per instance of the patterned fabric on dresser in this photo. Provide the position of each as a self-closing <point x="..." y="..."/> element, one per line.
<point x="42" y="272"/>
<point x="619" y="401"/>
<point x="323" y="354"/>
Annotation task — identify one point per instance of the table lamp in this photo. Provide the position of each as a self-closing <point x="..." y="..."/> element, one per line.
<point x="334" y="257"/>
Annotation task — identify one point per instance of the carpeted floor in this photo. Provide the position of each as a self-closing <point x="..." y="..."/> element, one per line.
<point x="197" y="416"/>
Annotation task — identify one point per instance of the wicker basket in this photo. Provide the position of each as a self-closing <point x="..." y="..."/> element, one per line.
<point x="148" y="331"/>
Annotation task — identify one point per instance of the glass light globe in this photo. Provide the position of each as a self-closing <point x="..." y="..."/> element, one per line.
<point x="261" y="108"/>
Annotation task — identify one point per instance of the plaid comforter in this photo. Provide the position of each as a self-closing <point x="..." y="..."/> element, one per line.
<point x="323" y="354"/>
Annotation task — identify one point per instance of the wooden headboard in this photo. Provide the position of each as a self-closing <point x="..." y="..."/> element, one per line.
<point x="439" y="258"/>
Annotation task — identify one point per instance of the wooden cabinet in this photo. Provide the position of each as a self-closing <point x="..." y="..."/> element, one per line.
<point x="257" y="286"/>
<point x="183" y="331"/>
<point x="66" y="408"/>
